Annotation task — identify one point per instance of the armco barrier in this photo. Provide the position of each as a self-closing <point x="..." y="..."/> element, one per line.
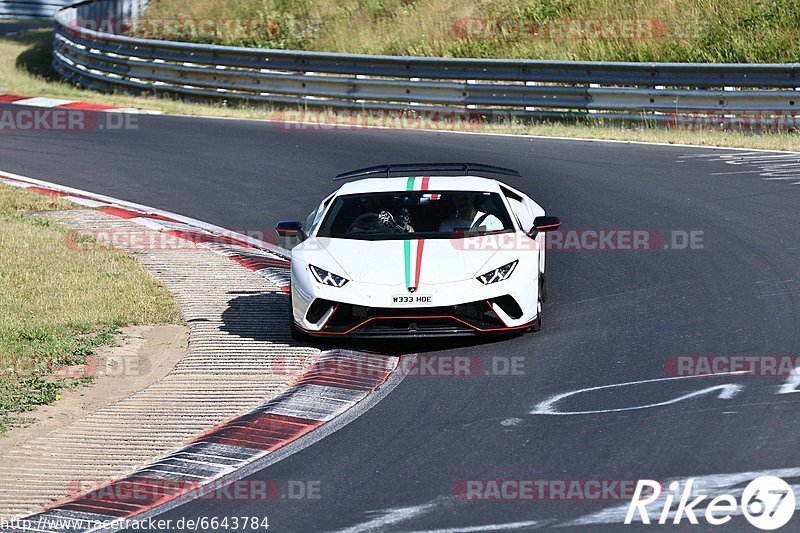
<point x="31" y="9"/>
<point x="660" y="92"/>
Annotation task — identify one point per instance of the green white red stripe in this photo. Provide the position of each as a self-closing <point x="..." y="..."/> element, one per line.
<point x="419" y="244"/>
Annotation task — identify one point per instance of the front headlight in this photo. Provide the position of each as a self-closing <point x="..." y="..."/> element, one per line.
<point x="327" y="278"/>
<point x="498" y="274"/>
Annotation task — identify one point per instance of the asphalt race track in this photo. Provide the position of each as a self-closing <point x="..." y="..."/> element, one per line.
<point x="613" y="317"/>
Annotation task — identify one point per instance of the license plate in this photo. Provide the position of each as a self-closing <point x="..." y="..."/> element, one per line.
<point x="412" y="299"/>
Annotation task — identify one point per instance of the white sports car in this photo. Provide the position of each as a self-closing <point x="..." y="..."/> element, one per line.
<point x="419" y="251"/>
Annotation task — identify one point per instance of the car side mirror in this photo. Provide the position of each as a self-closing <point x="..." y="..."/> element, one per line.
<point x="290" y="228"/>
<point x="544" y="224"/>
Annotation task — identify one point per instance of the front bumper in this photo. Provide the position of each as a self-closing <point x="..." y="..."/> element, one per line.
<point x="469" y="319"/>
<point x="371" y="310"/>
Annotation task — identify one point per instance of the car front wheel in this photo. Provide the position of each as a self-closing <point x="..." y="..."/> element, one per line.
<point x="297" y="333"/>
<point x="540" y="303"/>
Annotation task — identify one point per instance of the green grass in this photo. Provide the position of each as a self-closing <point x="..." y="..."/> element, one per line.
<point x="684" y="30"/>
<point x="58" y="303"/>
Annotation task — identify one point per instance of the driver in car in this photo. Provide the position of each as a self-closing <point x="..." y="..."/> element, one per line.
<point x="468" y="217"/>
<point x="374" y="219"/>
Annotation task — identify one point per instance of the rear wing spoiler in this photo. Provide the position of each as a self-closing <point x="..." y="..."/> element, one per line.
<point x="410" y="169"/>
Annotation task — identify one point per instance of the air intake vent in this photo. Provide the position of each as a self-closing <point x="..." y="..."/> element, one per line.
<point x="509" y="305"/>
<point x="317" y="310"/>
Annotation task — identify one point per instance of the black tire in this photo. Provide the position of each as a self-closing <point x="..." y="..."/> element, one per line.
<point x="296" y="333"/>
<point x="541" y="299"/>
<point x="544" y="288"/>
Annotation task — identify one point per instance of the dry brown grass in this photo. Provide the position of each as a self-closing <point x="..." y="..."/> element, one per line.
<point x="686" y="30"/>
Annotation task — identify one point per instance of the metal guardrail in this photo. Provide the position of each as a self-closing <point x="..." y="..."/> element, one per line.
<point x="31" y="9"/>
<point x="661" y="92"/>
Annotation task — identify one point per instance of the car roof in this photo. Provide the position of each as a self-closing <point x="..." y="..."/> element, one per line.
<point x="433" y="183"/>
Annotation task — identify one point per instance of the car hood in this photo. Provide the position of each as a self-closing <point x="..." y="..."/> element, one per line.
<point x="397" y="262"/>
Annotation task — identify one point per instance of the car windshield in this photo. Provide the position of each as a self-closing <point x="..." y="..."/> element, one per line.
<point x="415" y="214"/>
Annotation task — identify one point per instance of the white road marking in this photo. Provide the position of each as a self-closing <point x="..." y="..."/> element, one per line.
<point x="510" y="526"/>
<point x="771" y="167"/>
<point x="739" y="172"/>
<point x="398" y="515"/>
<point x="726" y="392"/>
<point x="792" y="384"/>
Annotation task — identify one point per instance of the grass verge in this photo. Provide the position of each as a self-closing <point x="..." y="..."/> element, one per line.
<point x="25" y="69"/>
<point x="59" y="302"/>
<point x="738" y="31"/>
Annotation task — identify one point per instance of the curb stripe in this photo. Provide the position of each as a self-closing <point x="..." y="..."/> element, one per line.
<point x="262" y="431"/>
<point x="129" y="214"/>
<point x="338" y="381"/>
<point x="269" y="264"/>
<point x="231" y="446"/>
<point x="87" y="106"/>
<point x="180" y="221"/>
<point x="58" y="103"/>
<point x="48" y="192"/>
<point x="10" y="98"/>
<point x="43" y="101"/>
